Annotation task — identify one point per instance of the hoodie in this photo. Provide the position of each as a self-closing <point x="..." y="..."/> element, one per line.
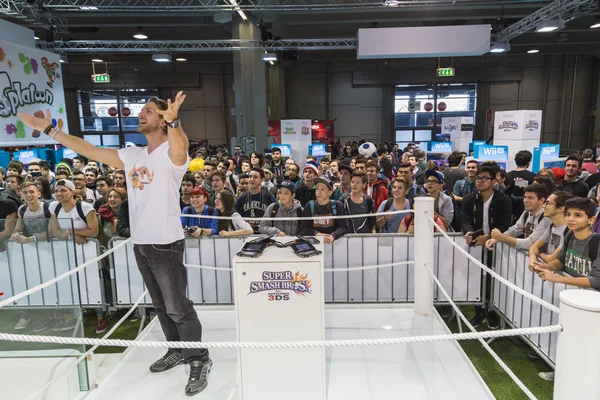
<point x="290" y="228"/>
<point x="380" y="192"/>
<point x="304" y="194"/>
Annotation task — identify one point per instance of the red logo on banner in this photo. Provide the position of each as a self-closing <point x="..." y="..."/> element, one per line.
<point x="442" y="106"/>
<point x="113" y="111"/>
<point x="125" y="111"/>
<point x="428" y="106"/>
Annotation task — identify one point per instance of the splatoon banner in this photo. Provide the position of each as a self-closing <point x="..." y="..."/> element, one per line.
<point x="30" y="81"/>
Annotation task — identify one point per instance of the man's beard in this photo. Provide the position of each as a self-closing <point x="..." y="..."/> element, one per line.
<point x="147" y="128"/>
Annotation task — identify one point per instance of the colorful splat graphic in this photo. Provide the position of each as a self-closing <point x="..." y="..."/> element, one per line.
<point x="51" y="71"/>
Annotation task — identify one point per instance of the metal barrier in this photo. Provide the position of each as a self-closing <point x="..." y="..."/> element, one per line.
<point x="461" y="279"/>
<point x="25" y="266"/>
<point x="519" y="312"/>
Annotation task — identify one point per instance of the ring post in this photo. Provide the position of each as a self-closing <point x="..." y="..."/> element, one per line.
<point x="578" y="348"/>
<point x="423" y="256"/>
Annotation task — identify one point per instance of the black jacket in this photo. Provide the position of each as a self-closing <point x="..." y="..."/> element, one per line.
<point x="500" y="212"/>
<point x="123" y="220"/>
<point x="304" y="194"/>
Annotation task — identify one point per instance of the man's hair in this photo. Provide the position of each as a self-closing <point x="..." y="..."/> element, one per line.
<point x="93" y="171"/>
<point x="296" y="166"/>
<point x="82" y="159"/>
<point x="372" y="164"/>
<point x="579" y="203"/>
<point x="28" y="183"/>
<point x="324" y="160"/>
<point x="454" y="159"/>
<point x="15" y="165"/>
<point x="259" y="170"/>
<point x="540" y="190"/>
<point x="19" y="178"/>
<point x="502" y="173"/>
<point x="120" y="171"/>
<point x="274" y="149"/>
<point x="381" y="151"/>
<point x="225" y="163"/>
<point x="413" y="156"/>
<point x="210" y="164"/>
<point x="77" y="172"/>
<point x="523" y="158"/>
<point x="44" y="165"/>
<point x="404" y="165"/>
<point x="588" y="153"/>
<point x="188" y="178"/>
<point x="574" y="157"/>
<point x="403" y="181"/>
<point x="546" y="181"/>
<point x="105" y="179"/>
<point x="490" y="167"/>
<point x="561" y="198"/>
<point x="360" y="175"/>
<point x="220" y="174"/>
<point x="473" y="161"/>
<point x="62" y="172"/>
<point x="160" y="103"/>
<point x="33" y="163"/>
<point x="243" y="175"/>
<point x="360" y="160"/>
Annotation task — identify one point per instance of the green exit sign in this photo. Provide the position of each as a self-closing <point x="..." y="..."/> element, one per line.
<point x="101" y="78"/>
<point x="445" y="72"/>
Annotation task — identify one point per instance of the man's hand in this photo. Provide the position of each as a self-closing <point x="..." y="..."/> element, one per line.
<point x="328" y="239"/>
<point x="549" y="276"/>
<point x="80" y="239"/>
<point x="281" y="234"/>
<point x="496" y="234"/>
<point x="468" y="237"/>
<point x="490" y="244"/>
<point x="19" y="238"/>
<point x="172" y="113"/>
<point x="36" y="123"/>
<point x="481" y="240"/>
<point x="223" y="233"/>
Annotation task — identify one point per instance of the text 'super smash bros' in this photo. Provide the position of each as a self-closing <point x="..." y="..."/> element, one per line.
<point x="278" y="283"/>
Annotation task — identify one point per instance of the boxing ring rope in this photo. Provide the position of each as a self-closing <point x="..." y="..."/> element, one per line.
<point x="368" y="267"/>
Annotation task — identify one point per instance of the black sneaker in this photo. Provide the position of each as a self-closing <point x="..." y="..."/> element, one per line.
<point x="493" y="322"/>
<point x="168" y="361"/>
<point x="477" y="319"/>
<point x="198" y="380"/>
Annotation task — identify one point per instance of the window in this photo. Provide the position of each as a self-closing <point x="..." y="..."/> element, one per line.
<point x="419" y="109"/>
<point x="110" y="117"/>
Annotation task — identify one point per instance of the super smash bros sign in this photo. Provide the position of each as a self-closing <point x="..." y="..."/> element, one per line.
<point x="30" y="82"/>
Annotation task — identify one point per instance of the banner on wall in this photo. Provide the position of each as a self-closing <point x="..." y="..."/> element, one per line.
<point x="31" y="82"/>
<point x="321" y="131"/>
<point x="297" y="133"/>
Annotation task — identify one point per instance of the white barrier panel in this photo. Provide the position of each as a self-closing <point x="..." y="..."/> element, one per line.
<point x="25" y="266"/>
<point x="459" y="276"/>
<point x="512" y="264"/>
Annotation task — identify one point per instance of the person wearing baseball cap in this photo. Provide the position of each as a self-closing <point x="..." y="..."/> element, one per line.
<point x="286" y="206"/>
<point x="434" y="183"/>
<point x="305" y="190"/>
<point x="321" y="209"/>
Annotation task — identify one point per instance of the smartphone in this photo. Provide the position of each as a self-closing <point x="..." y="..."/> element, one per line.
<point x="521" y="183"/>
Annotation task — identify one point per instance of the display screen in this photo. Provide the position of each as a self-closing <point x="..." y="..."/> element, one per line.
<point x="253" y="247"/>
<point x="303" y="247"/>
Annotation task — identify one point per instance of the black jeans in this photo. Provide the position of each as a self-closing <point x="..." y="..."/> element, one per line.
<point x="165" y="277"/>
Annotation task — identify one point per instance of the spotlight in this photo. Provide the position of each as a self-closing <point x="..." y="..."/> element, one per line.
<point x="551" y="25"/>
<point x="269" y="57"/>
<point x="533" y="51"/>
<point x="63" y="58"/>
<point x="500" y="47"/>
<point x="596" y="23"/>
<point x="181" y="59"/>
<point x="98" y="60"/>
<point x="161" y="57"/>
<point x="140" y="35"/>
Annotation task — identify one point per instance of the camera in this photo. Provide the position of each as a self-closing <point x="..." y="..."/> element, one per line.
<point x="191" y="230"/>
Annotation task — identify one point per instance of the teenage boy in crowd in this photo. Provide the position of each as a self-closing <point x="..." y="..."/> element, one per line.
<point x="78" y="179"/>
<point x="517" y="179"/>
<point x="588" y="164"/>
<point x="187" y="184"/>
<point x="443" y="205"/>
<point x="278" y="165"/>
<point x="485" y="209"/>
<point x="358" y="203"/>
<point x="209" y="168"/>
<point x="322" y="208"/>
<point x="375" y="188"/>
<point x="360" y="165"/>
<point x="305" y="189"/>
<point x="454" y="173"/>
<point x="549" y="244"/>
<point x="334" y="169"/>
<point x="571" y="182"/>
<point x="324" y="171"/>
<point x="462" y="188"/>
<point x="530" y="226"/>
<point x="405" y="171"/>
<point x="103" y="185"/>
<point x="79" y="162"/>
<point x="218" y="185"/>
<point x="13" y="191"/>
<point x="286" y="206"/>
<point x="579" y="255"/>
<point x="345" y="173"/>
<point x="243" y="186"/>
<point x="254" y="202"/>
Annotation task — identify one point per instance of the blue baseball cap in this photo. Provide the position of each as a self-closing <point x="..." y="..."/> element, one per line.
<point x="288" y="185"/>
<point x="432" y="172"/>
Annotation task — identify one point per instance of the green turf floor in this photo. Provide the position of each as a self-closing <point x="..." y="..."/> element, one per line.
<point x="514" y="353"/>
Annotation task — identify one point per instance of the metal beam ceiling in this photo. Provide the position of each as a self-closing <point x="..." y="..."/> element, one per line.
<point x="250" y="5"/>
<point x="33" y="14"/>
<point x="566" y="9"/>
<point x="150" y="46"/>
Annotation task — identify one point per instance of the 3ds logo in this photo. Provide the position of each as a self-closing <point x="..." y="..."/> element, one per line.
<point x="278" y="297"/>
<point x="509" y="125"/>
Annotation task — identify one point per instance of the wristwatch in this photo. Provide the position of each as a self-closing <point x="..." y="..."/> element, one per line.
<point x="175" y="124"/>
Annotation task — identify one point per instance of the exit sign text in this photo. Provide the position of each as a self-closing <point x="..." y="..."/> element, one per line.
<point x="101" y="78"/>
<point x="445" y="72"/>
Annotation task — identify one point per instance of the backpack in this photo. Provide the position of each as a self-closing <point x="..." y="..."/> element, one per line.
<point x="311" y="204"/>
<point x="592" y="245"/>
<point x="7" y="194"/>
<point x="77" y="206"/>
<point x="276" y="208"/>
<point x="46" y="210"/>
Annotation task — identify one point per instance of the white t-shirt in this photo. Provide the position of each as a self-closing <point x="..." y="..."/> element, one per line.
<point x="486" y="215"/>
<point x="64" y="216"/>
<point x="153" y="183"/>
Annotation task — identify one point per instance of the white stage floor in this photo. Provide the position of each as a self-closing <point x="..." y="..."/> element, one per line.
<point x="416" y="371"/>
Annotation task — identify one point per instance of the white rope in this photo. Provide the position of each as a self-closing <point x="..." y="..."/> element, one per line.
<point x="344" y="216"/>
<point x="517" y="289"/>
<point x="325" y="270"/>
<point x="483" y="342"/>
<point x="91" y="350"/>
<point x="60" y="277"/>
<point x="281" y="345"/>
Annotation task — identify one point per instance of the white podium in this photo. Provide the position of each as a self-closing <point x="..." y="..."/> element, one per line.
<point x="280" y="297"/>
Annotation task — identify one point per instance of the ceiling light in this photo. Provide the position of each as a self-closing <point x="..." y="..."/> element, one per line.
<point x="272" y="62"/>
<point x="269" y="56"/>
<point x="550" y="25"/>
<point x="181" y="59"/>
<point x="239" y="10"/>
<point x="36" y="38"/>
<point x="63" y="58"/>
<point x="97" y="60"/>
<point x="533" y="51"/>
<point x="140" y="35"/>
<point x="391" y="3"/>
<point x="500" y="47"/>
<point x="86" y="8"/>
<point x="596" y="23"/>
<point x="161" y="57"/>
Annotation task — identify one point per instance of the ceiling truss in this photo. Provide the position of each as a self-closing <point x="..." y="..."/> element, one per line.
<point x="34" y="14"/>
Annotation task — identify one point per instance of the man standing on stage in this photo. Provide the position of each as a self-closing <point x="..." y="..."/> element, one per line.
<point x="154" y="174"/>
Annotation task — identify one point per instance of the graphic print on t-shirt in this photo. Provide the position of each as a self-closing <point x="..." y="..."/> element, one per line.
<point x="140" y="177"/>
<point x="320" y="222"/>
<point x="575" y="261"/>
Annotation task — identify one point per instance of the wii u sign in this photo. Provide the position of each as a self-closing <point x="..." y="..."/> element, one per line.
<point x="549" y="152"/>
<point x="440" y="147"/>
<point x="492" y="153"/>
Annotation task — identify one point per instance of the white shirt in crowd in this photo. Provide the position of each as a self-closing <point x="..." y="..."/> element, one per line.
<point x="486" y="215"/>
<point x="64" y="217"/>
<point x="153" y="192"/>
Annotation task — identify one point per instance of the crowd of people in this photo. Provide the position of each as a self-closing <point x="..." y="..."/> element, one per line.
<point x="551" y="214"/>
